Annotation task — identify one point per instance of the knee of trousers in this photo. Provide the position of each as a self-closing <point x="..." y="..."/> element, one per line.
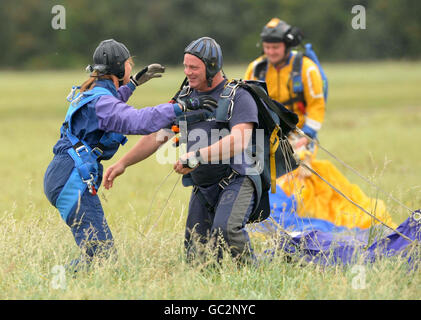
<point x="228" y="229"/>
<point x="233" y="213"/>
<point x="89" y="222"/>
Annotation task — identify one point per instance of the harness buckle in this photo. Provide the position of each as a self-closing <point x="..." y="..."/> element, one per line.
<point x="72" y="93"/>
<point x="232" y="174"/>
<point x="91" y="185"/>
<point x="97" y="152"/>
<point x="223" y="183"/>
<point x="82" y="147"/>
<point x="227" y="180"/>
<point x="231" y="106"/>
<point x="186" y="93"/>
<point x="231" y="92"/>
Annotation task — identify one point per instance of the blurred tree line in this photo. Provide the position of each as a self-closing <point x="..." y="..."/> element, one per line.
<point x="159" y="30"/>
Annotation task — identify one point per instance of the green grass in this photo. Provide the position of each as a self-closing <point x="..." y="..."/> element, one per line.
<point x="372" y="123"/>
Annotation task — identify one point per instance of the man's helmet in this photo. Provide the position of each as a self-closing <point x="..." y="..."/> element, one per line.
<point x="277" y="30"/>
<point x="209" y="51"/>
<point x="109" y="58"/>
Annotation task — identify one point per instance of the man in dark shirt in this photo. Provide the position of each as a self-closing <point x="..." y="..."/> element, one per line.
<point x="218" y="211"/>
<point x="218" y="163"/>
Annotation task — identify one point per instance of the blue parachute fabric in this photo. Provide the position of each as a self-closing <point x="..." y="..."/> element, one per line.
<point x="329" y="248"/>
<point x="283" y="214"/>
<point x="322" y="242"/>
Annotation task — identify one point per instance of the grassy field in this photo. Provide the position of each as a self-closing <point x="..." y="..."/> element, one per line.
<point x="372" y="122"/>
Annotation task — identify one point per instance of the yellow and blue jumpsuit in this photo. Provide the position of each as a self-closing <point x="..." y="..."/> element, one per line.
<point x="279" y="83"/>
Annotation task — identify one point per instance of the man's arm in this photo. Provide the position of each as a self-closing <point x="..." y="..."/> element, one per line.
<point x="224" y="149"/>
<point x="146" y="146"/>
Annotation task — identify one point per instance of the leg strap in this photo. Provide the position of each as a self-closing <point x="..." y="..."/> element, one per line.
<point x="222" y="184"/>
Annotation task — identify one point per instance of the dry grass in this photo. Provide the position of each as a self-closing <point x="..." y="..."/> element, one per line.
<point x="372" y="121"/>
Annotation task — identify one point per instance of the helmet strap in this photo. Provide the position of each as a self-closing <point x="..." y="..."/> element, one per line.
<point x="209" y="80"/>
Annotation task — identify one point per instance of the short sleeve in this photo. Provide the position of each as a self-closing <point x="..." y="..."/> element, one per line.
<point x="244" y="110"/>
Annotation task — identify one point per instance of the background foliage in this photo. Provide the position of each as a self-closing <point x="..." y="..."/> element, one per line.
<point x="160" y="30"/>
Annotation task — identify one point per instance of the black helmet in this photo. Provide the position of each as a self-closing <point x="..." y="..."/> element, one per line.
<point x="109" y="58"/>
<point x="209" y="51"/>
<point x="277" y="30"/>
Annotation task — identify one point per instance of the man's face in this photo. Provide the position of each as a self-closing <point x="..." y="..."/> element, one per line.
<point x="195" y="71"/>
<point x="274" y="51"/>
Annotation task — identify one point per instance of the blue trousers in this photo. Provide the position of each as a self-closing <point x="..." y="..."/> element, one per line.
<point x="225" y="225"/>
<point x="86" y="217"/>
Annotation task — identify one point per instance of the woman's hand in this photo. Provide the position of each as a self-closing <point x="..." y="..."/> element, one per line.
<point x="112" y="172"/>
<point x="152" y="71"/>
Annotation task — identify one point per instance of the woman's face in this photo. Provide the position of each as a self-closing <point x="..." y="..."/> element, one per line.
<point x="128" y="65"/>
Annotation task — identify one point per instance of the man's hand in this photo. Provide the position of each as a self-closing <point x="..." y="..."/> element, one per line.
<point x="152" y="71"/>
<point x="302" y="171"/>
<point x="298" y="143"/>
<point x="202" y="102"/>
<point x="301" y="142"/>
<point x="180" y="167"/>
<point x="112" y="172"/>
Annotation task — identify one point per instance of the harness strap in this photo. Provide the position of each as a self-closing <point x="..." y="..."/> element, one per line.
<point x="299" y="97"/>
<point x="274" y="144"/>
<point x="203" y="200"/>
<point x="106" y="139"/>
<point x="86" y="165"/>
<point x="226" y="102"/>
<point x="196" y="117"/>
<point x="297" y="83"/>
<point x="223" y="183"/>
<point x="260" y="70"/>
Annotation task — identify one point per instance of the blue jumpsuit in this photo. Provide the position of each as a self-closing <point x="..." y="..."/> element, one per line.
<point x="107" y="115"/>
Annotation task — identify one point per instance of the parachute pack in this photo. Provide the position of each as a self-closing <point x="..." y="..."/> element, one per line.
<point x="274" y="119"/>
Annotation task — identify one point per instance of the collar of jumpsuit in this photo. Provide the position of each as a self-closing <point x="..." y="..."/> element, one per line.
<point x="286" y="62"/>
<point x="107" y="84"/>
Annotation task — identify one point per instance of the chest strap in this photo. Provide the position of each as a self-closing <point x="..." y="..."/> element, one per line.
<point x="226" y="102"/>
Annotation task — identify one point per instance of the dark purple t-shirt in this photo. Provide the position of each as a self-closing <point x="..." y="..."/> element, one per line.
<point x="205" y="133"/>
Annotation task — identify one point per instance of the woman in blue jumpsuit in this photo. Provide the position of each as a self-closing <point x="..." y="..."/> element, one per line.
<point x="95" y="125"/>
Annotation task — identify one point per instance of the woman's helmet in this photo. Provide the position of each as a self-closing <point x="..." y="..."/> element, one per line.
<point x="209" y="51"/>
<point x="109" y="58"/>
